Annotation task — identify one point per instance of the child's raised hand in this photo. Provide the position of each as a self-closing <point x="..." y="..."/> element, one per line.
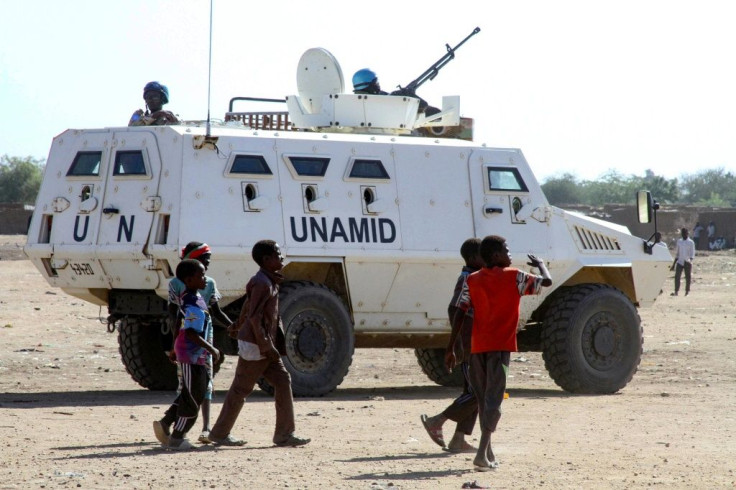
<point x="534" y="261"/>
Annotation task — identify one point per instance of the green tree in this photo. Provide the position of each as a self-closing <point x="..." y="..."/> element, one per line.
<point x="20" y="179"/>
<point x="611" y="188"/>
<point x="562" y="190"/>
<point x="714" y="187"/>
<point x="663" y="190"/>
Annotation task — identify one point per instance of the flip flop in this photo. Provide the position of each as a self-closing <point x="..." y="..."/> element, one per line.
<point x="491" y="467"/>
<point x="434" y="433"/>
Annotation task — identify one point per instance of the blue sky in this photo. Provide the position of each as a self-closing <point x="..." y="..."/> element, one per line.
<point x="579" y="86"/>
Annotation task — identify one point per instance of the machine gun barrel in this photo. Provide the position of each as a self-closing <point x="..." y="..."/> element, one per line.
<point x="432" y="71"/>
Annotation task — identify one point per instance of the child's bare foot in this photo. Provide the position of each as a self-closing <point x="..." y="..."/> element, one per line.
<point x="483" y="464"/>
<point x="489" y="455"/>
<point x="491" y="466"/>
<point x="458" y="445"/>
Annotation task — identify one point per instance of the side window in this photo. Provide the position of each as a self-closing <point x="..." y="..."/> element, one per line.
<point x="364" y="168"/>
<point x="250" y="164"/>
<point x="129" y="163"/>
<point x="309" y="166"/>
<point x="86" y="163"/>
<point x="505" y="179"/>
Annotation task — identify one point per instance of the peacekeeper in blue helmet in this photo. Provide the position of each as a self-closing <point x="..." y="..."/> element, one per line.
<point x="155" y="95"/>
<point x="365" y="81"/>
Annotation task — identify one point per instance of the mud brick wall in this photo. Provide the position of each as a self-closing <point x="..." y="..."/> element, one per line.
<point x="14" y="219"/>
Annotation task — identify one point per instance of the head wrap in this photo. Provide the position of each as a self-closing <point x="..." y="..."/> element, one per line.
<point x="196" y="252"/>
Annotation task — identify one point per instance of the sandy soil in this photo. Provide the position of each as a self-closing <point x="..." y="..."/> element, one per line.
<point x="71" y="416"/>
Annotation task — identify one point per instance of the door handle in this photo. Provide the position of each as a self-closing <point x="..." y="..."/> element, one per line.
<point x="491" y="210"/>
<point x="110" y="210"/>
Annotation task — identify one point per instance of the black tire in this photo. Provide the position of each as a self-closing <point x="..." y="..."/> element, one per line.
<point x="319" y="338"/>
<point x="591" y="339"/>
<point x="140" y="345"/>
<point x="432" y="362"/>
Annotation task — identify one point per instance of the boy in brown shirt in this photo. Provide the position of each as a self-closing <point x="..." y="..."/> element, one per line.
<point x="260" y="347"/>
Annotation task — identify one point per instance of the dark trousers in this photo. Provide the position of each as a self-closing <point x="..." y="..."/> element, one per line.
<point x="688" y="267"/>
<point x="246" y="376"/>
<point x="464" y="409"/>
<point x="183" y="412"/>
<point x="488" y="371"/>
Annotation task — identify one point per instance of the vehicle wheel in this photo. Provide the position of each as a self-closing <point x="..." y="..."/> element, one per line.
<point x="591" y="339"/>
<point x="432" y="362"/>
<point x="145" y="360"/>
<point x="319" y="338"/>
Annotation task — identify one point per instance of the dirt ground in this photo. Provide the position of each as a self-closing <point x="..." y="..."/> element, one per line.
<point x="72" y="417"/>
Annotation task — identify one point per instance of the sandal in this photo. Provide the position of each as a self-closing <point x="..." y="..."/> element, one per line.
<point x="435" y="433"/>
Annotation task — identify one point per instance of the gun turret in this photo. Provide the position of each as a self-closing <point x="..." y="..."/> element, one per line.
<point x="433" y="70"/>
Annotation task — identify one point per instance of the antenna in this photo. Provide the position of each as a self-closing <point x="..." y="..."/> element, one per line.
<point x="209" y="75"/>
<point x="207" y="141"/>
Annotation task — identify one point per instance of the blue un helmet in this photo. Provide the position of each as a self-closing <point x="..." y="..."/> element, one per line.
<point x="157" y="87"/>
<point x="363" y="79"/>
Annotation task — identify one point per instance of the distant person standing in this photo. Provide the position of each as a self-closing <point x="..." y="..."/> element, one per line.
<point x="684" y="255"/>
<point x="711" y="234"/>
<point x="697" y="235"/>
<point x="155" y="95"/>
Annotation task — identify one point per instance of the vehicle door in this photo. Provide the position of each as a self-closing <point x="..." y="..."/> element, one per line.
<point x="63" y="233"/>
<point x="129" y="203"/>
<point x="508" y="201"/>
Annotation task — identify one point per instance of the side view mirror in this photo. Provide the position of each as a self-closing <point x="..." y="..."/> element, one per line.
<point x="646" y="207"/>
<point x="646" y="210"/>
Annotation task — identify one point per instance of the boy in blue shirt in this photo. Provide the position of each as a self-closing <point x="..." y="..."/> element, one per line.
<point x="191" y="348"/>
<point x="211" y="296"/>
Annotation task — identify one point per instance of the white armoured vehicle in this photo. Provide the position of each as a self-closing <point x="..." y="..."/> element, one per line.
<point x="370" y="201"/>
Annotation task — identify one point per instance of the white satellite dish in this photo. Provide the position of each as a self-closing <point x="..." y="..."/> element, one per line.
<point x="318" y="74"/>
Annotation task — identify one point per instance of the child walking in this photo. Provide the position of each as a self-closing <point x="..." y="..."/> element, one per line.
<point x="260" y="347"/>
<point x="211" y="296"/>
<point x="464" y="409"/>
<point x="191" y="348"/>
<point x="495" y="294"/>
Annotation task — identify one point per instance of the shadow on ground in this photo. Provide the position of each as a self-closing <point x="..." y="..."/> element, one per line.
<point x="145" y="397"/>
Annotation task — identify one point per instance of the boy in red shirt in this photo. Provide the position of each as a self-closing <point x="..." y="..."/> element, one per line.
<point x="495" y="293"/>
